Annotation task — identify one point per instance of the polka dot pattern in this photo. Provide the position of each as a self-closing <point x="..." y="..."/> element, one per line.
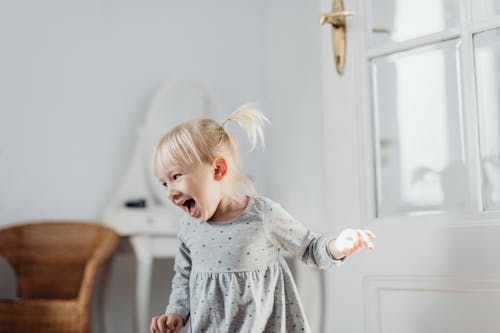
<point x="231" y="277"/>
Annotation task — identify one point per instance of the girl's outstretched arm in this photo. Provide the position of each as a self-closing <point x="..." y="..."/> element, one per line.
<point x="288" y="234"/>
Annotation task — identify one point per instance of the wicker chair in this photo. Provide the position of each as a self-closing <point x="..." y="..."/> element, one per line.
<point x="55" y="265"/>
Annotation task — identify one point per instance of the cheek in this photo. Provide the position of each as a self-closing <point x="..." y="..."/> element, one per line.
<point x="212" y="194"/>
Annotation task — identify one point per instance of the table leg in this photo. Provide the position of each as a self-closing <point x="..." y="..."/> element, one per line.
<point x="142" y="248"/>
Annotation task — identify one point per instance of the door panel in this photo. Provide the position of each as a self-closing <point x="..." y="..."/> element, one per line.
<point x="416" y="121"/>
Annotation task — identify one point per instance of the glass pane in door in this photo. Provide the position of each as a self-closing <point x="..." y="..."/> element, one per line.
<point x="420" y="159"/>
<point x="399" y="20"/>
<point x="487" y="61"/>
<point x="484" y="9"/>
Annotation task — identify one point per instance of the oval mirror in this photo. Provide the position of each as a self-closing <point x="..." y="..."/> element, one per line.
<point x="173" y="104"/>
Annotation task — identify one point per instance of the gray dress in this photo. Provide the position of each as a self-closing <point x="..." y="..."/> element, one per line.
<point x="231" y="277"/>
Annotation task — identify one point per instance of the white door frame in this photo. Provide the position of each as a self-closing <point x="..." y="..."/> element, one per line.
<point x="443" y="254"/>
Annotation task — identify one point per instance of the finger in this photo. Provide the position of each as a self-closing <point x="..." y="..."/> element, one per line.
<point x="161" y="324"/>
<point x="171" y="323"/>
<point x="367" y="239"/>
<point x="370" y="234"/>
<point x="153" y="327"/>
<point x="178" y="326"/>
<point x="177" y="329"/>
<point x="366" y="235"/>
<point x="351" y="251"/>
<point x="361" y="241"/>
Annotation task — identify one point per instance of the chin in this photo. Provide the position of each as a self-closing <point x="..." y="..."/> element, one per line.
<point x="206" y="219"/>
<point x="203" y="219"/>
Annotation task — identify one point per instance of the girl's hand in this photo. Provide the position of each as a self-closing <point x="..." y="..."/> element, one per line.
<point x="349" y="241"/>
<point x="166" y="323"/>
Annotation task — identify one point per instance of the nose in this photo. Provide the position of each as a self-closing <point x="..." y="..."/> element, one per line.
<point x="172" y="193"/>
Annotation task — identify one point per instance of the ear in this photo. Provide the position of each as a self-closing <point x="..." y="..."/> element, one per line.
<point x="220" y="168"/>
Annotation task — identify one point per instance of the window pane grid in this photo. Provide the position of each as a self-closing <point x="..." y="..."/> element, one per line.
<point x="482" y="195"/>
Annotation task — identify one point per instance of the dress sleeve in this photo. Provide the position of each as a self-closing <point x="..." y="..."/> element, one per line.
<point x="288" y="234"/>
<point x="179" y="297"/>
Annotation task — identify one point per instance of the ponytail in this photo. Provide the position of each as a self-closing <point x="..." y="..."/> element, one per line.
<point x="251" y="120"/>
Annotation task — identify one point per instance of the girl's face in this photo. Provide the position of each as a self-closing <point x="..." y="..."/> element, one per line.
<point x="196" y="190"/>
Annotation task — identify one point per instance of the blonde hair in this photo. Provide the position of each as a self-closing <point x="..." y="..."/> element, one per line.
<point x="200" y="141"/>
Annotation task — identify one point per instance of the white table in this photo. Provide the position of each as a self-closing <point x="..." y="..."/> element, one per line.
<point x="152" y="232"/>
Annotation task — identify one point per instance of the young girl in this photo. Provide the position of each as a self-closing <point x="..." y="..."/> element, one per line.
<point x="230" y="275"/>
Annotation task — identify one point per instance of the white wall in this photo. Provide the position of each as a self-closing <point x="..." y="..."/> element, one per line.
<point x="293" y="72"/>
<point x="76" y="80"/>
<point x="77" y="76"/>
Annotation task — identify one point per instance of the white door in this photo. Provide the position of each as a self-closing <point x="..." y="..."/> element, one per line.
<point x="413" y="153"/>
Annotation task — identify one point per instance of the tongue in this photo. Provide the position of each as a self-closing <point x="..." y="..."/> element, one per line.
<point x="191" y="207"/>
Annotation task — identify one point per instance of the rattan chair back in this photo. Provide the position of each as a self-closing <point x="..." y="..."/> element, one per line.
<point x="54" y="263"/>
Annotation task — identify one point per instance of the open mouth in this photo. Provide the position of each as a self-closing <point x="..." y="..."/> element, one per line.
<point x="190" y="204"/>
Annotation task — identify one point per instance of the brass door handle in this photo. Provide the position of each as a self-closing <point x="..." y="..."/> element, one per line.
<point x="337" y="19"/>
<point x="334" y="18"/>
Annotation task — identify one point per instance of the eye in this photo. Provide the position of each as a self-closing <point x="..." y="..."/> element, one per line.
<point x="164" y="184"/>
<point x="176" y="176"/>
